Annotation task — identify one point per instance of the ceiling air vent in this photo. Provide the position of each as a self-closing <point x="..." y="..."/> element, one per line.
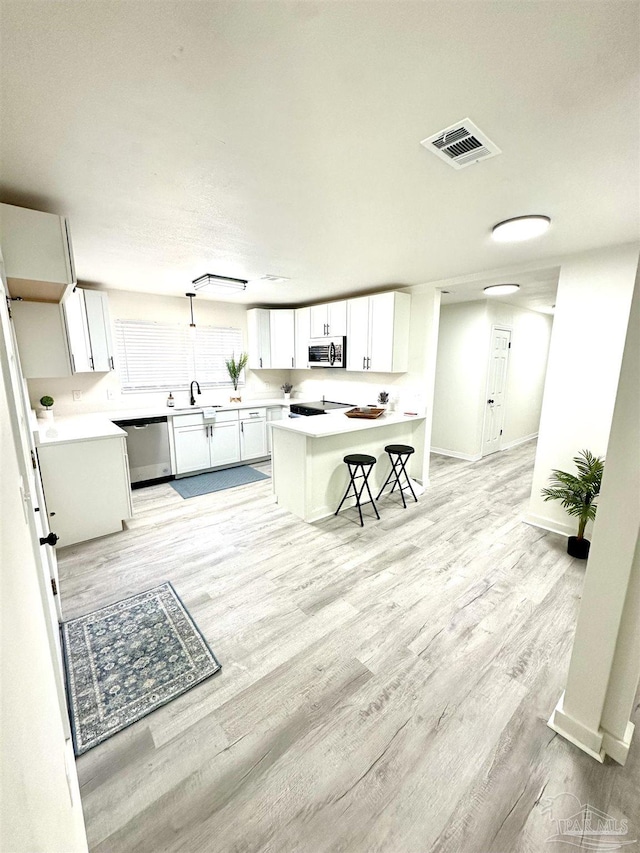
<point x="461" y="144"/>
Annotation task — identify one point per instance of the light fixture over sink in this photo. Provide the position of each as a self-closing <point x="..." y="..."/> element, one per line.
<point x="210" y="280"/>
<point x="192" y="324"/>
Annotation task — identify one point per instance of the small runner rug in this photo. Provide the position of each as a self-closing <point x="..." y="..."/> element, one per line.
<point x="125" y="660"/>
<point x="216" y="481"/>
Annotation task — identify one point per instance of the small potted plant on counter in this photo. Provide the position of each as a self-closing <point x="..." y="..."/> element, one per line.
<point x="383" y="399"/>
<point x="235" y="368"/>
<point x="47" y="410"/>
<point x="577" y="495"/>
<point x="286" y="389"/>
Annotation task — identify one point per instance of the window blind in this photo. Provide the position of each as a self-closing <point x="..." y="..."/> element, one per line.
<point x="165" y="356"/>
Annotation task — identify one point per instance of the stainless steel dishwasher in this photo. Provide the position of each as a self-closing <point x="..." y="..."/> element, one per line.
<point x="148" y="449"/>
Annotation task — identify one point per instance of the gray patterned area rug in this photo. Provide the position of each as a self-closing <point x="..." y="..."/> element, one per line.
<point x="125" y="660"/>
<point x="216" y="481"/>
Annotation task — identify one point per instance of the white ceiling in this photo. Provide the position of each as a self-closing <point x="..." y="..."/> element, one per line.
<point x="245" y="138"/>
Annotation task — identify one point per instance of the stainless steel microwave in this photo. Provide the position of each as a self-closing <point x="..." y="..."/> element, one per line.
<point x="328" y="352"/>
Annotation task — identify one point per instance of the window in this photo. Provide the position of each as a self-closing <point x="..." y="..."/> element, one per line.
<point x="165" y="356"/>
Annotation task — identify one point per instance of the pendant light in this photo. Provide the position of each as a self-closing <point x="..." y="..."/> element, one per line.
<point x="192" y="324"/>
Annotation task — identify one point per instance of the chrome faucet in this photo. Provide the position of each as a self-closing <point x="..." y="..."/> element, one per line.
<point x="192" y="401"/>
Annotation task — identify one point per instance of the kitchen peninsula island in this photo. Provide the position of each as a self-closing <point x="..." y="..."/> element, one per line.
<point x="309" y="475"/>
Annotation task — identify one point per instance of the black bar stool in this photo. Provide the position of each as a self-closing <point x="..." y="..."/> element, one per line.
<point x="360" y="466"/>
<point x="398" y="456"/>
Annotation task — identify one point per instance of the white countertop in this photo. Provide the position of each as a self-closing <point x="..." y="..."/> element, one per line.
<point x="75" y="428"/>
<point x="90" y="427"/>
<point x="337" y="423"/>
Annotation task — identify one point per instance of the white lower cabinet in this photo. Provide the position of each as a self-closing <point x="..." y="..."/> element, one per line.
<point x="86" y="488"/>
<point x="224" y="443"/>
<point x="253" y="434"/>
<point x="192" y="448"/>
<point x="233" y="437"/>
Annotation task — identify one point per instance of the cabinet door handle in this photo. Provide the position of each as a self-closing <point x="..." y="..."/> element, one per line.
<point x="91" y="362"/>
<point x="111" y="362"/>
<point x="261" y="362"/>
<point x="241" y="426"/>
<point x="291" y="361"/>
<point x="368" y="363"/>
<point x="364" y="362"/>
<point x="73" y="364"/>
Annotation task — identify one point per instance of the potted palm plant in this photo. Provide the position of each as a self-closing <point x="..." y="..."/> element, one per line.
<point x="578" y="494"/>
<point x="286" y="389"/>
<point x="235" y="368"/>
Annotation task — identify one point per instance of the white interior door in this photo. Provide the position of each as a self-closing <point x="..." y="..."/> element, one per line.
<point x="31" y="490"/>
<point x="496" y="387"/>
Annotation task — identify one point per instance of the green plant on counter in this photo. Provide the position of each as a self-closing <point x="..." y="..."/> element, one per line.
<point x="577" y="494"/>
<point x="287" y="387"/>
<point x="235" y="368"/>
<point x="46" y="401"/>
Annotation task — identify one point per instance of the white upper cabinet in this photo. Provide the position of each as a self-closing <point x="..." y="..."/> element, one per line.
<point x="282" y="335"/>
<point x="60" y="340"/>
<point x="42" y="340"/>
<point x="358" y="336"/>
<point x="99" y="325"/>
<point x="271" y="334"/>
<point x="329" y="320"/>
<point x="378" y="334"/>
<point x="302" y="335"/>
<point x="37" y="253"/>
<point x="75" y="313"/>
<point x="89" y="331"/>
<point x="259" y="333"/>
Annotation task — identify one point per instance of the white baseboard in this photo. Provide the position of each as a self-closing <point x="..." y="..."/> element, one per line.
<point x="519" y="441"/>
<point x="550" y="524"/>
<point x="439" y="451"/>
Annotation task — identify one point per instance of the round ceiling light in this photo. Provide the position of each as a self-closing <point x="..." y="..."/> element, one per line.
<point x="520" y="228"/>
<point x="501" y="289"/>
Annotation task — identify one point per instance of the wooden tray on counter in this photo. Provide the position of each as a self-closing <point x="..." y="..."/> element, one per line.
<point x="369" y="413"/>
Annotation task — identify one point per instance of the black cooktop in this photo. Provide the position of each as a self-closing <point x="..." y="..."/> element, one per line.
<point x="317" y="408"/>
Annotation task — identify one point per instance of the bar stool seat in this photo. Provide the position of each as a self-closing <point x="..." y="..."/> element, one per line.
<point x="360" y="466"/>
<point x="399" y="456"/>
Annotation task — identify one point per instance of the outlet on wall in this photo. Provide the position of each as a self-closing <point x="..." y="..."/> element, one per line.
<point x="111" y="394"/>
<point x="77" y="396"/>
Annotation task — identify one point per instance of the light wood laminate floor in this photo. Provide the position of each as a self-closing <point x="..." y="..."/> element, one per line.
<point x="382" y="689"/>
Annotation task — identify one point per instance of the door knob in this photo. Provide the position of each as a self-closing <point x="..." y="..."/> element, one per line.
<point x="51" y="539"/>
<point x="490" y="401"/>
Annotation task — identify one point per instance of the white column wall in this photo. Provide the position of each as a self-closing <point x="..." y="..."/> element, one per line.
<point x="587" y="341"/>
<point x="605" y="662"/>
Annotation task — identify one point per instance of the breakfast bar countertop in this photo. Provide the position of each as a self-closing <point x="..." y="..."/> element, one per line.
<point x="337" y="423"/>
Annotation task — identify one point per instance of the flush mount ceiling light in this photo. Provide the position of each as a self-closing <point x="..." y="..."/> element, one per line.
<point x="501" y="289"/>
<point x="520" y="228"/>
<point x="209" y="280"/>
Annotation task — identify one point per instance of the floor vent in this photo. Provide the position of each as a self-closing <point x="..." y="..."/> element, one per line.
<point x="461" y="144"/>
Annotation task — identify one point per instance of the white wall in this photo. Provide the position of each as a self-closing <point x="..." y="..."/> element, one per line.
<point x="35" y="811"/>
<point x="125" y="305"/>
<point x="530" y="338"/>
<point x="461" y="374"/>
<point x="591" y="318"/>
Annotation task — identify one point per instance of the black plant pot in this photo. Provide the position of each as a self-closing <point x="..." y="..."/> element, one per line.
<point x="578" y="548"/>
